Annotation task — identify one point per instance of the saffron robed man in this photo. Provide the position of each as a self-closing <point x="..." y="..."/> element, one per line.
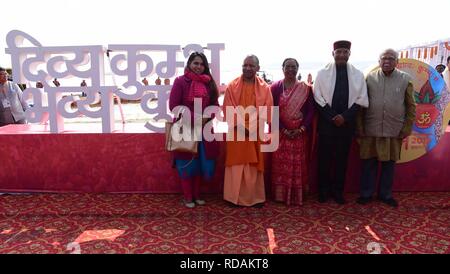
<point x="244" y="163"/>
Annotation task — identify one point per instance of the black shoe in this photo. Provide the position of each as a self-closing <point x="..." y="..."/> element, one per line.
<point x="339" y="199"/>
<point x="259" y="205"/>
<point x="230" y="204"/>
<point x="323" y="198"/>
<point x="390" y="202"/>
<point x="364" y="200"/>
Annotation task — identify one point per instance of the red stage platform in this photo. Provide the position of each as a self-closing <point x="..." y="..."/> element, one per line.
<point x="134" y="160"/>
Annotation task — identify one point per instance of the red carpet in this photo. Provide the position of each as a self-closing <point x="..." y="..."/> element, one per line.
<point x="158" y="223"/>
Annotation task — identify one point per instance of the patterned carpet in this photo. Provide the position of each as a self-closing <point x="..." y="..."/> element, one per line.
<point x="159" y="223"/>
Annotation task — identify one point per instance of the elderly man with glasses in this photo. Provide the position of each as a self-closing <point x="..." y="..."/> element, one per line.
<point x="383" y="126"/>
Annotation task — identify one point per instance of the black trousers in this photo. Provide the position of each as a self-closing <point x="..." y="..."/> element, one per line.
<point x="6" y="117"/>
<point x="333" y="149"/>
<point x="369" y="176"/>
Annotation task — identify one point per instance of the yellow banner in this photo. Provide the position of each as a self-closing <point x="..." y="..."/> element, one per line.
<point x="432" y="98"/>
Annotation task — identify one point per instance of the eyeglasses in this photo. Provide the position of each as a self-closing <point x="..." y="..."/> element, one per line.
<point x="290" y="67"/>
<point x="388" y="58"/>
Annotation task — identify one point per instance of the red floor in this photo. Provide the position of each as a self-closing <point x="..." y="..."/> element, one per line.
<point x="158" y="223"/>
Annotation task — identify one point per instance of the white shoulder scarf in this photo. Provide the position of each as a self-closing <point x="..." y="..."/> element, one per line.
<point x="326" y="80"/>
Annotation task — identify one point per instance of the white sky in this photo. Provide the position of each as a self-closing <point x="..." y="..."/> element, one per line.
<point x="273" y="30"/>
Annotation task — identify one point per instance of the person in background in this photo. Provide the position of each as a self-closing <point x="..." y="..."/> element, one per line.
<point x="83" y="84"/>
<point x="56" y="82"/>
<point x="13" y="105"/>
<point x="440" y="69"/>
<point x="446" y="74"/>
<point x="44" y="98"/>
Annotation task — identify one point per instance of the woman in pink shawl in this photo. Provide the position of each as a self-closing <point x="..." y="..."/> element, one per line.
<point x="197" y="82"/>
<point x="289" y="162"/>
